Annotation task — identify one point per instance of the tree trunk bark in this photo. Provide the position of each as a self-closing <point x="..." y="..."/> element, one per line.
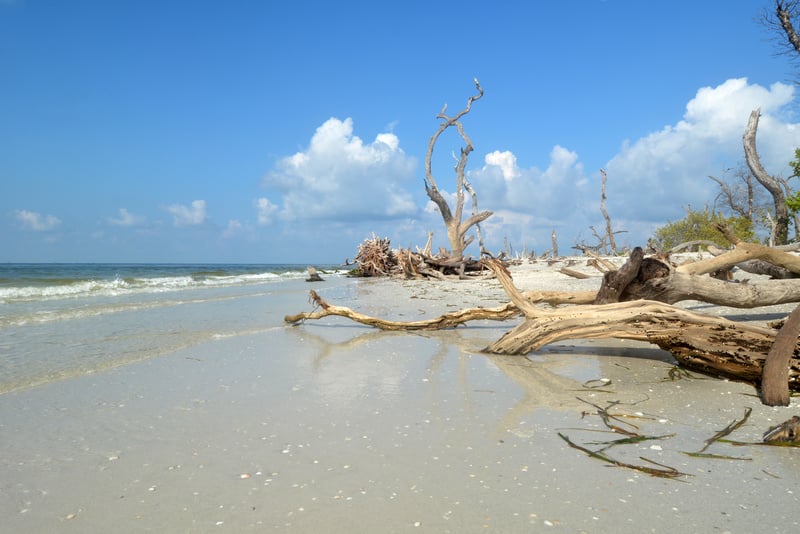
<point x="712" y="345"/>
<point x="615" y="282"/>
<point x="770" y="183"/>
<point x="775" y="378"/>
<point x="456" y="228"/>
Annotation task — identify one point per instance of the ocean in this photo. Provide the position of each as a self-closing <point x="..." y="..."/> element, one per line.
<point x="63" y="320"/>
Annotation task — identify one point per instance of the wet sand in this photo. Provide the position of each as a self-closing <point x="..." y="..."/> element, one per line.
<point x="335" y="427"/>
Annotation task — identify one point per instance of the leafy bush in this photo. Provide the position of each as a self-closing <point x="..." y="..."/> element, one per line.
<point x="699" y="225"/>
<point x="793" y="200"/>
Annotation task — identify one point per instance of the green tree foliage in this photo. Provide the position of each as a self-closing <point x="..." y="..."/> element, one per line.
<point x="793" y="200"/>
<point x="699" y="225"/>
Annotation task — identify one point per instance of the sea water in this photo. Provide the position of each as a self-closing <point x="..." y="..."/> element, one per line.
<point x="63" y="320"/>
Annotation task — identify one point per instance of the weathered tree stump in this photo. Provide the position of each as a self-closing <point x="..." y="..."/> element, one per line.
<point x="313" y="275"/>
<point x="615" y="282"/>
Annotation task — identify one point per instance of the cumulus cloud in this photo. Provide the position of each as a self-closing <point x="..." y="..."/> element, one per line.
<point x="31" y="220"/>
<point x="650" y="180"/>
<point x="551" y="192"/>
<point x="505" y="161"/>
<point x="668" y="169"/>
<point x="341" y="177"/>
<point x="265" y="211"/>
<point x="188" y="216"/>
<point x="126" y="219"/>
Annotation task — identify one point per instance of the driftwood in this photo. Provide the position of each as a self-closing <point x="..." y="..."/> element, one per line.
<point x="774" y="383"/>
<point x="615" y="282"/>
<point x="313" y="275"/>
<point x="787" y="432"/>
<point x="635" y="302"/>
<point x="573" y="273"/>
<point x="447" y="320"/>
<point x="677" y="287"/>
<point x="713" y="345"/>
<point x="375" y="257"/>
<point x="764" y="267"/>
<point x="656" y="279"/>
<point x="705" y="343"/>
<point x="741" y="253"/>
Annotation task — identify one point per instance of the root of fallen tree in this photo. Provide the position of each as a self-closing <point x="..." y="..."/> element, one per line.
<point x="636" y="302"/>
<point x="375" y="257"/>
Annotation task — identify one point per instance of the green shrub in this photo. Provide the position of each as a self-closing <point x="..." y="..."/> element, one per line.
<point x="699" y="225"/>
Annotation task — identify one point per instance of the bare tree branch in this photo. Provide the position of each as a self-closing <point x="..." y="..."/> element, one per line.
<point x="609" y="230"/>
<point x="784" y="12"/>
<point x="456" y="228"/>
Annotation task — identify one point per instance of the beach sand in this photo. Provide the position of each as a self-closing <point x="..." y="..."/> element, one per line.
<point x="335" y="427"/>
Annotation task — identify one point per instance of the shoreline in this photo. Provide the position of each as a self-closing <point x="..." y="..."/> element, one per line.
<point x="332" y="423"/>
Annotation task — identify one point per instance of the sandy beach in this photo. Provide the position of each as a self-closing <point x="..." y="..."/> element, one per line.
<point x="331" y="426"/>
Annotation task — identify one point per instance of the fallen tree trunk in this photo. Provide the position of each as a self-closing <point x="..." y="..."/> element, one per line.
<point x="673" y="286"/>
<point x="654" y="279"/>
<point x="766" y="268"/>
<point x="743" y="252"/>
<point x="679" y="286"/>
<point x="712" y="345"/>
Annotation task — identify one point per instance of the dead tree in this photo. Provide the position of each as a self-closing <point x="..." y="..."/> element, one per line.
<point x="770" y="184"/>
<point x="456" y="227"/>
<point x="475" y="213"/>
<point x="780" y="22"/>
<point x="741" y="195"/>
<point x="609" y="230"/>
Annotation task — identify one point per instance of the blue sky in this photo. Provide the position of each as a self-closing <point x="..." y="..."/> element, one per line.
<point x="265" y="132"/>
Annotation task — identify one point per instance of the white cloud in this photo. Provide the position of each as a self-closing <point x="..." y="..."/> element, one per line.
<point x="341" y="177"/>
<point x="37" y="222"/>
<point x="266" y="211"/>
<point x="506" y="161"/>
<point x="668" y="169"/>
<point x="234" y="227"/>
<point x="650" y="180"/>
<point x="188" y="216"/>
<point x="126" y="219"/>
<point x="501" y="184"/>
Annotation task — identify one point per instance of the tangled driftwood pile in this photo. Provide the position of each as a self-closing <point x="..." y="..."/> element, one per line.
<point x="375" y="257"/>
